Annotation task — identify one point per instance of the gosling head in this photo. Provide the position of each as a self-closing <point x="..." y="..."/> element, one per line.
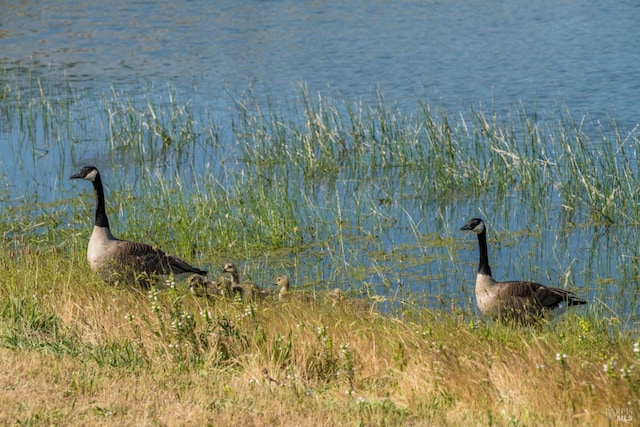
<point x="282" y="282"/>
<point x="195" y="281"/>
<point x="475" y="224"/>
<point x="87" y="172"/>
<point x="336" y="294"/>
<point x="230" y="268"/>
<point x="196" y="284"/>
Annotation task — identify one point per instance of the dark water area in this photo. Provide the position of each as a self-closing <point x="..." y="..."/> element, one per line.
<point x="458" y="54"/>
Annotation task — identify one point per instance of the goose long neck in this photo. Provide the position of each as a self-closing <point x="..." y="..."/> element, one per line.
<point x="483" y="267"/>
<point x="101" y="214"/>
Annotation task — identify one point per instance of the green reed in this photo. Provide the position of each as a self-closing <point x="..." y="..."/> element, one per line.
<point x="314" y="176"/>
<point x="316" y="139"/>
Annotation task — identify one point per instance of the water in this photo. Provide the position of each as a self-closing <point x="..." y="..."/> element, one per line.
<point x="460" y="53"/>
<point x="457" y="55"/>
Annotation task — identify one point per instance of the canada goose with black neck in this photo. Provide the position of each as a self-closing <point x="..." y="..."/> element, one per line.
<point x="517" y="301"/>
<point x="118" y="260"/>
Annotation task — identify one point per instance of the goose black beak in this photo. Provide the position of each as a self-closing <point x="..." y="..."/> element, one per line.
<point x="76" y="176"/>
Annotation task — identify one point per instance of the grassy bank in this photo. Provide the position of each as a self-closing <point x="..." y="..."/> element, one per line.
<point x="75" y="351"/>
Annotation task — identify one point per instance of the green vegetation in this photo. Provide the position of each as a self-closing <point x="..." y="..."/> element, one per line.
<point x="335" y="194"/>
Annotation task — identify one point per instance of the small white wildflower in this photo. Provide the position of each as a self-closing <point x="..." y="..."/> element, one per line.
<point x="625" y="372"/>
<point x="249" y="311"/>
<point x="636" y="347"/>
<point x="129" y="317"/>
<point x="605" y="367"/>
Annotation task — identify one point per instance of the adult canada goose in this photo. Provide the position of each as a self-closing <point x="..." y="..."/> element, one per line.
<point x="518" y="301"/>
<point x="247" y="291"/>
<point x="283" y="295"/>
<point x="118" y="260"/>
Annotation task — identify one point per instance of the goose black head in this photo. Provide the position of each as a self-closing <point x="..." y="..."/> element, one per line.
<point x="475" y="224"/>
<point x="87" y="172"/>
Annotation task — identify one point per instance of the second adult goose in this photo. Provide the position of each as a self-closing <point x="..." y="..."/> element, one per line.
<point x="518" y="301"/>
<point x="118" y="260"/>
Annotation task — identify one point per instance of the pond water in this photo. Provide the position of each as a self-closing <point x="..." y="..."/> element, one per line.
<point x="457" y="55"/>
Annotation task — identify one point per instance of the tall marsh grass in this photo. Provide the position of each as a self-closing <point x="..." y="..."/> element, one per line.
<point x="336" y="194"/>
<point x="355" y="186"/>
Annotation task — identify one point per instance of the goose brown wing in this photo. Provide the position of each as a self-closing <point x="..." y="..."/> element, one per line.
<point x="553" y="297"/>
<point x="549" y="298"/>
<point x="153" y="260"/>
<point x="518" y="289"/>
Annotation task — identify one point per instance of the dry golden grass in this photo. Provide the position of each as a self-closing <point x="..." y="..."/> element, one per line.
<point x="74" y="351"/>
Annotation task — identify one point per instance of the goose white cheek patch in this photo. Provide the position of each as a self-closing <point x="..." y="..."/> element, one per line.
<point x="91" y="176"/>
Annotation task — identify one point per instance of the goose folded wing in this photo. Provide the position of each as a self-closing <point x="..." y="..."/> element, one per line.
<point x="552" y="298"/>
<point x="548" y="298"/>
<point x="151" y="259"/>
<point x="530" y="293"/>
<point x="518" y="289"/>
